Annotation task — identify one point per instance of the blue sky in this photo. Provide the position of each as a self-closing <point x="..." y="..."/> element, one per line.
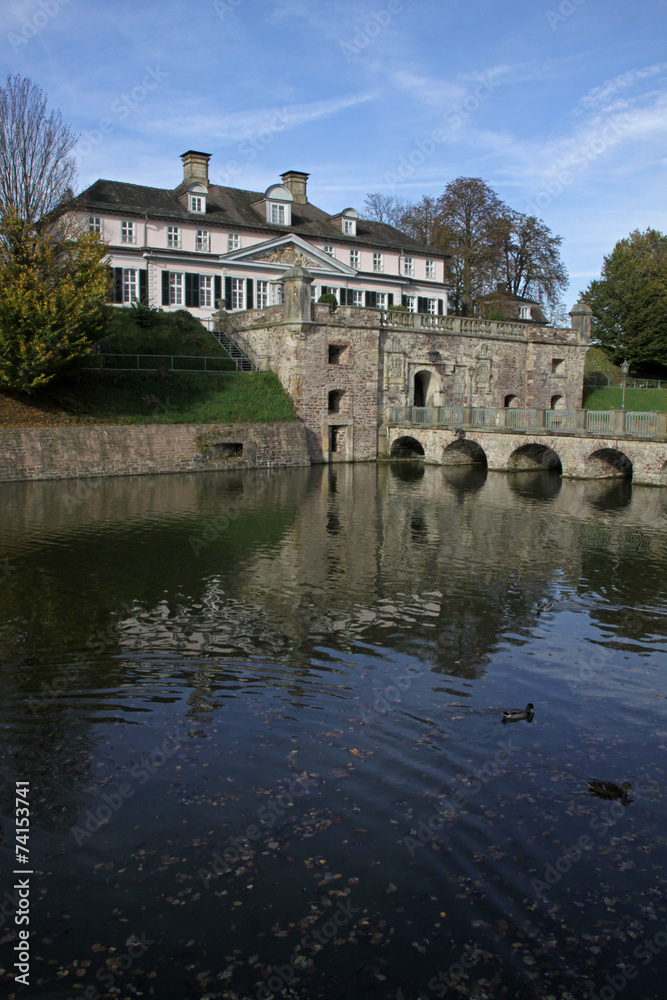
<point x="560" y="106"/>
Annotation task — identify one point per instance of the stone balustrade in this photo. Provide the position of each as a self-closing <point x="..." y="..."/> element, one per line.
<point x="603" y="423"/>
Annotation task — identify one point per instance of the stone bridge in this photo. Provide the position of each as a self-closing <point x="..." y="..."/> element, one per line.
<point x="581" y="444"/>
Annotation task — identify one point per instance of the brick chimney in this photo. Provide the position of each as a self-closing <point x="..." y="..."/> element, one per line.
<point x="195" y="167"/>
<point x="296" y="182"/>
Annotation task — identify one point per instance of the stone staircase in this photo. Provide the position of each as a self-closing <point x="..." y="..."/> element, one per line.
<point x="243" y="362"/>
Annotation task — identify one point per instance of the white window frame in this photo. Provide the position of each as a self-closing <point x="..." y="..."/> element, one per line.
<point x="430" y="269"/>
<point x="238" y="293"/>
<point x="176" y="283"/>
<point x="130" y="285"/>
<point x="95" y="224"/>
<point x="233" y="241"/>
<point x="278" y="215"/>
<point x="328" y="248"/>
<point x="197" y="204"/>
<point x="205" y="291"/>
<point x="277" y="293"/>
<point x="409" y="266"/>
<point x="378" y="262"/>
<point x="355" y="259"/>
<point x="128" y="232"/>
<point x="525" y="312"/>
<point x="432" y="307"/>
<point x="349" y="227"/>
<point x="262" y="294"/>
<point x="203" y="241"/>
<point x="173" y="237"/>
<point x="411" y="303"/>
<point x="381" y="301"/>
<point x="357" y="298"/>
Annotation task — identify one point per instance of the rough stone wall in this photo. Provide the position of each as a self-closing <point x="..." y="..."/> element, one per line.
<point x="378" y="369"/>
<point x="78" y="452"/>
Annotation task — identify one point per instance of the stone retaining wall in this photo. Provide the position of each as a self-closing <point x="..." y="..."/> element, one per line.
<point x="84" y="451"/>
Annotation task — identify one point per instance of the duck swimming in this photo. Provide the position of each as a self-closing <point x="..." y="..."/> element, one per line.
<point x="609" y="790"/>
<point x="544" y="607"/>
<point x="517" y="714"/>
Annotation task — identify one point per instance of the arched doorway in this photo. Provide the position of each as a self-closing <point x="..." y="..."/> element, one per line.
<point x="558" y="402"/>
<point x="511" y="402"/>
<point x="426" y="385"/>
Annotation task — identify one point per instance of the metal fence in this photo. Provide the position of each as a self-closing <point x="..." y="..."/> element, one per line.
<point x="168" y="362"/>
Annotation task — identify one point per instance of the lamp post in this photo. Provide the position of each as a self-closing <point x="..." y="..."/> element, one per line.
<point x="625" y="368"/>
<point x="471" y="371"/>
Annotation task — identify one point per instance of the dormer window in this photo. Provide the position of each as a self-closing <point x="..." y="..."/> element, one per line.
<point x="329" y="249"/>
<point x="193" y="199"/>
<point x="346" y="222"/>
<point x="276" y="205"/>
<point x="524" y="312"/>
<point x="278" y="215"/>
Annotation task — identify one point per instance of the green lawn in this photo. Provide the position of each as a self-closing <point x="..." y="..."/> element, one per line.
<point x="125" y="398"/>
<point x="610" y="398"/>
<point x="168" y="333"/>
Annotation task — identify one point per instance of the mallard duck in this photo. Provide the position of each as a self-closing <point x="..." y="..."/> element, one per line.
<point x="543" y="607"/>
<point x="609" y="790"/>
<point x="517" y="714"/>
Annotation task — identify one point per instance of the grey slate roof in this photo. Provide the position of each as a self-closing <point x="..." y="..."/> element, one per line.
<point x="232" y="208"/>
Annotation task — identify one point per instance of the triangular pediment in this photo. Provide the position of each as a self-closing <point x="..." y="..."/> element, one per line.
<point x="286" y="251"/>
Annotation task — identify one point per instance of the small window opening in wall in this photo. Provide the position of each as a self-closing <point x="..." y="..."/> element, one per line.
<point x="227" y="451"/>
<point x="337" y="354"/>
<point x="337" y="438"/>
<point x="557" y="366"/>
<point x="511" y="401"/>
<point x="335" y="397"/>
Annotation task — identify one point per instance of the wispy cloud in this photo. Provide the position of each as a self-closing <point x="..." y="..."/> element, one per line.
<point x="236" y="126"/>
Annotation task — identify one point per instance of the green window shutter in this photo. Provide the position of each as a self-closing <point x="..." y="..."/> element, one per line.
<point x="189" y="298"/>
<point x="117" y="284"/>
<point x="390" y="299"/>
<point x="441" y="307"/>
<point x="165" y="288"/>
<point x="249" y="294"/>
<point x="143" y="285"/>
<point x="228" y="293"/>
<point x="422" y="304"/>
<point x="217" y="289"/>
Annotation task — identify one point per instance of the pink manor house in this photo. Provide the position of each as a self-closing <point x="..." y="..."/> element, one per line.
<point x="203" y="245"/>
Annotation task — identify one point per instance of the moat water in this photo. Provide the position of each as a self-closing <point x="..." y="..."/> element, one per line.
<point x="260" y="716"/>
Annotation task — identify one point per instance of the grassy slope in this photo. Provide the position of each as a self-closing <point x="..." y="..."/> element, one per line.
<point x="95" y="397"/>
<point x="638" y="400"/>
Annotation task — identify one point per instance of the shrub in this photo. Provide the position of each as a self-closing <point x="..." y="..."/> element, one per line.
<point x="329" y="299"/>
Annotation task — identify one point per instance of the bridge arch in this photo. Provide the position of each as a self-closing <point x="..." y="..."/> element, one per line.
<point x="535" y="457"/>
<point x="407" y="447"/>
<point x="605" y="463"/>
<point x="463" y="451"/>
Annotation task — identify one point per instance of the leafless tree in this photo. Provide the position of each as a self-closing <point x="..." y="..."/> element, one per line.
<point x="36" y="168"/>
<point x="384" y="208"/>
